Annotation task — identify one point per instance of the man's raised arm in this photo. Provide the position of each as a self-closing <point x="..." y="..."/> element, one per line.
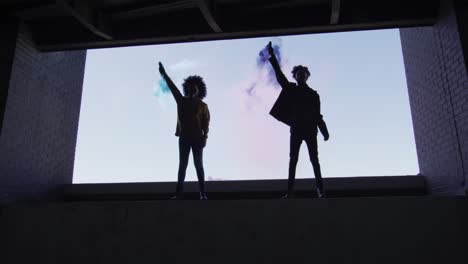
<point x="175" y="92"/>
<point x="282" y="80"/>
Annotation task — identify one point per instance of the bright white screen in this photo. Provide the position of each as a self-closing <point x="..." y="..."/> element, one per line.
<point x="127" y="124"/>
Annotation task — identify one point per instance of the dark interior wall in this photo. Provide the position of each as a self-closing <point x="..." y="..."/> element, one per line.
<point x="9" y="29"/>
<point x="461" y="8"/>
<point x="39" y="128"/>
<point x="438" y="91"/>
<point x="342" y="230"/>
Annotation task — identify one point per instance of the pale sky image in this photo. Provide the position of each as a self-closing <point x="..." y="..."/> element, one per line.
<point x="127" y="122"/>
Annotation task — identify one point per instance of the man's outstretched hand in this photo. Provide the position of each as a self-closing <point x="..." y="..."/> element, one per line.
<point x="203" y="142"/>
<point x="326" y="137"/>
<point x="161" y="69"/>
<point x="270" y="49"/>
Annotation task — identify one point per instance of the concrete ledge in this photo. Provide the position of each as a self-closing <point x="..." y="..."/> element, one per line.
<point x="336" y="187"/>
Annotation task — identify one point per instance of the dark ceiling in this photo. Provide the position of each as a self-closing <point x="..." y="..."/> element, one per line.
<point x="84" y="24"/>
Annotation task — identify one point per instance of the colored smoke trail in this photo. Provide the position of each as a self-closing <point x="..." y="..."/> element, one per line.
<point x="263" y="55"/>
<point x="262" y="66"/>
<point x="262" y="60"/>
<point x="162" y="88"/>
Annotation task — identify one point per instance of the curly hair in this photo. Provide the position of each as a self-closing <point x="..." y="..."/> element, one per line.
<point x="300" y="68"/>
<point x="195" y="80"/>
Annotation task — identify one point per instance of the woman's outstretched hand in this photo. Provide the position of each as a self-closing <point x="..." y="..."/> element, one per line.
<point x="203" y="142"/>
<point x="161" y="69"/>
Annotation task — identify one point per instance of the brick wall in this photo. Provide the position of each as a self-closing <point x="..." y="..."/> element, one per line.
<point x="461" y="7"/>
<point x="9" y="29"/>
<point x="38" y="138"/>
<point x="438" y="90"/>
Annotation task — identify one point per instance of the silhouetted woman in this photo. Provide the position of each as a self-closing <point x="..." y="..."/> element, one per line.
<point x="193" y="118"/>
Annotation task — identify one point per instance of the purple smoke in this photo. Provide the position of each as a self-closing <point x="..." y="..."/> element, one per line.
<point x="262" y="61"/>
<point x="263" y="55"/>
<point x="250" y="90"/>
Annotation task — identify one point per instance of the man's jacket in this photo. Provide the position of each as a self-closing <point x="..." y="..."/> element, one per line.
<point x="297" y="107"/>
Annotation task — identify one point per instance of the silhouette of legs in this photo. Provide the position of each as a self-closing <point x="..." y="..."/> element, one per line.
<point x="184" y="151"/>
<point x="197" y="151"/>
<point x="294" y="147"/>
<point x="311" y="142"/>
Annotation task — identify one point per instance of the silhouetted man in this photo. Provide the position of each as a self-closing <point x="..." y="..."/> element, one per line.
<point x="299" y="107"/>
<point x="193" y="118"/>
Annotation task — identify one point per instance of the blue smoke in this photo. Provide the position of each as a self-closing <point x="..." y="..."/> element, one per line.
<point x="162" y="88"/>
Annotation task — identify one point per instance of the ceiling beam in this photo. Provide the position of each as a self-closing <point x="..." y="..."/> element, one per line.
<point x="237" y="35"/>
<point x="204" y="6"/>
<point x="154" y="9"/>
<point x="335" y="11"/>
<point x="208" y="13"/>
<point x="86" y="16"/>
<point x="283" y="4"/>
<point x="36" y="12"/>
